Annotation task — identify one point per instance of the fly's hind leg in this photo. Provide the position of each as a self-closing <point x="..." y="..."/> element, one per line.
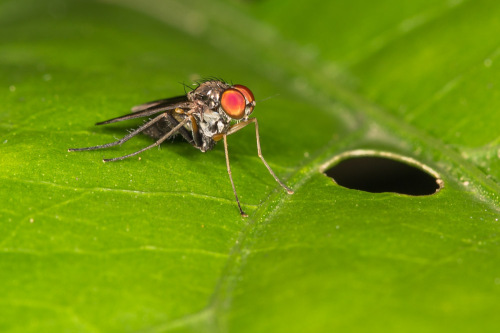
<point x="157" y="143"/>
<point x="125" y="138"/>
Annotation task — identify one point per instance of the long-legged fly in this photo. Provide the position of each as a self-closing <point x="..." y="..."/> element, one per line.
<point x="204" y="116"/>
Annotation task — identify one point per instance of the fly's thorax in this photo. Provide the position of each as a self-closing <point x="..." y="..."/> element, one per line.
<point x="208" y="93"/>
<point x="210" y="123"/>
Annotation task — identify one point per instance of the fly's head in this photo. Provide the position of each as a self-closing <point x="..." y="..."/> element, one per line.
<point x="237" y="102"/>
<point x="231" y="102"/>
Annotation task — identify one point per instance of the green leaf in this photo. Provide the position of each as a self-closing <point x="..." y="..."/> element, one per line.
<point x="156" y="244"/>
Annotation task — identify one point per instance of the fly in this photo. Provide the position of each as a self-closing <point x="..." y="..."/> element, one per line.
<point x="204" y="116"/>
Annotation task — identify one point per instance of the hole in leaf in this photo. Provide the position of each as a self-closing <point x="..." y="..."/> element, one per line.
<point x="383" y="172"/>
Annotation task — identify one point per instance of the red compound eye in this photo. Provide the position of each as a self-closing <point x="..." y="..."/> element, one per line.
<point x="247" y="93"/>
<point x="233" y="103"/>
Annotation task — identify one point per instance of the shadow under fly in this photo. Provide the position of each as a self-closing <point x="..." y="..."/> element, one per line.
<point x="204" y="116"/>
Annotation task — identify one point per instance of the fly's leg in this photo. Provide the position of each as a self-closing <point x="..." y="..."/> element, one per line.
<point x="240" y="125"/>
<point x="196" y="132"/>
<point x="172" y="122"/>
<point x="125" y="138"/>
<point x="231" y="177"/>
<point x="157" y="143"/>
<point x="259" y="152"/>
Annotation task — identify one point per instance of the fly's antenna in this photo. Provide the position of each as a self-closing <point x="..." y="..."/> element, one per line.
<point x="265" y="99"/>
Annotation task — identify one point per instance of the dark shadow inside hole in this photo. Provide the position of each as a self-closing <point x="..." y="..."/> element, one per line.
<point x="378" y="174"/>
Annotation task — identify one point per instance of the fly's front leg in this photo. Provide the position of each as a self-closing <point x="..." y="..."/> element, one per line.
<point x="231" y="177"/>
<point x="240" y="125"/>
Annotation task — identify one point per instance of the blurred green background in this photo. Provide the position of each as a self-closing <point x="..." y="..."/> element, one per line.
<point x="157" y="244"/>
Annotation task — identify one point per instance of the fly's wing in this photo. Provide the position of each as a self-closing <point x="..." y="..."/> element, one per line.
<point x="166" y="101"/>
<point x="151" y="108"/>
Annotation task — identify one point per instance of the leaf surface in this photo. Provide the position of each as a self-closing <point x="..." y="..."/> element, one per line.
<point x="156" y="244"/>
